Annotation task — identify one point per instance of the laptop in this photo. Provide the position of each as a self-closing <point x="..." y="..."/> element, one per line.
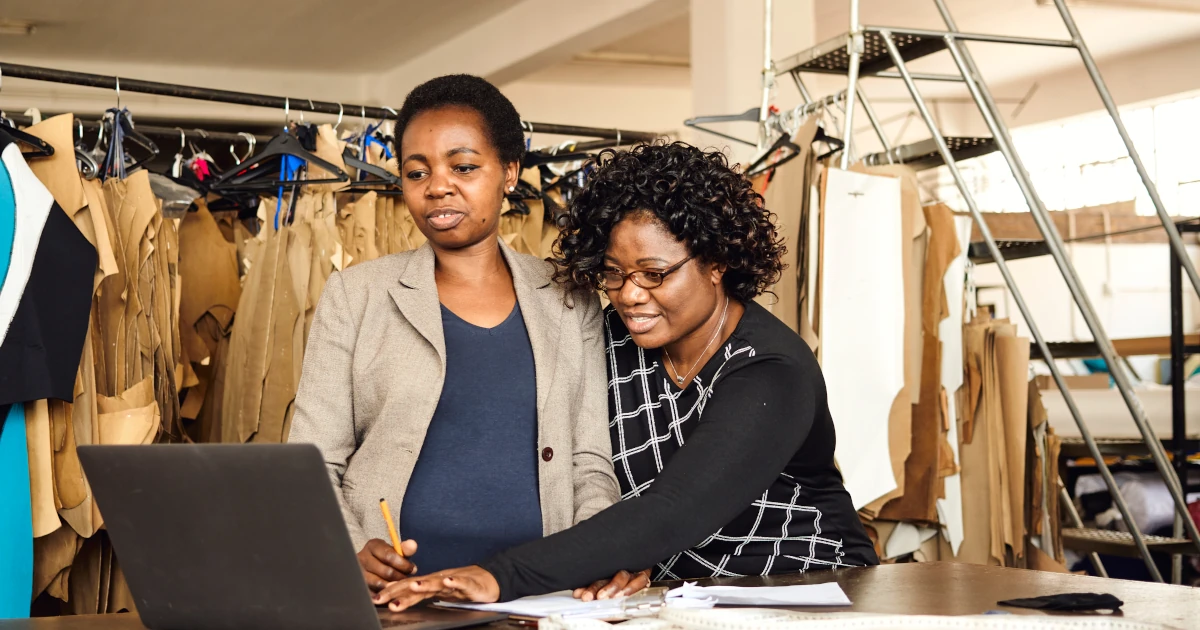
<point x="225" y="536"/>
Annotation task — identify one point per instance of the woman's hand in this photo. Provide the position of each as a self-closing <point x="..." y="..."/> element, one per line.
<point x="622" y="584"/>
<point x="468" y="584"/>
<point x="381" y="564"/>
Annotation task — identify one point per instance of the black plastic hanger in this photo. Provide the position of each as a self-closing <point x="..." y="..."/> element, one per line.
<point x="785" y="142"/>
<point x="834" y="144"/>
<point x="41" y="148"/>
<point x="118" y="124"/>
<point x="384" y="178"/>
<point x="248" y="174"/>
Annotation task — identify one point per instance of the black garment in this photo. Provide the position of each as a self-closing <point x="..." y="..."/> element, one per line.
<point x="755" y="417"/>
<point x="40" y="353"/>
<point x="486" y="420"/>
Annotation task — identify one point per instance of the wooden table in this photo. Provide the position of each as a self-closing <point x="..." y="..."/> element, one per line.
<point x="928" y="588"/>
<point x="952" y="588"/>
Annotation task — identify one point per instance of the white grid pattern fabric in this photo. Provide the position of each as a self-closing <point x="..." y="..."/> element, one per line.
<point x="779" y="532"/>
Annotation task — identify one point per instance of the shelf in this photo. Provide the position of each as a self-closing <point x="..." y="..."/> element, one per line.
<point x="1121" y="543"/>
<point x="924" y="155"/>
<point x="1011" y="250"/>
<point x="831" y="57"/>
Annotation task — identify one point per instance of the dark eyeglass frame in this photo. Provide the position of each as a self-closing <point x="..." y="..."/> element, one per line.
<point x="644" y="282"/>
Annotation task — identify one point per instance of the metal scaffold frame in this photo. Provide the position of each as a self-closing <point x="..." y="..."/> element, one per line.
<point x="893" y="48"/>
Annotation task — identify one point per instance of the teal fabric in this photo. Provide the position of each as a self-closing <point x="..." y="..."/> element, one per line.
<point x="16" y="517"/>
<point x="8" y="220"/>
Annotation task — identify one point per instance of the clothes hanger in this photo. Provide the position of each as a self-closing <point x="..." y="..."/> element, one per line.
<point x="117" y="161"/>
<point x="9" y="131"/>
<point x="750" y="115"/>
<point x="88" y="168"/>
<point x="248" y="174"/>
<point x="382" y="177"/>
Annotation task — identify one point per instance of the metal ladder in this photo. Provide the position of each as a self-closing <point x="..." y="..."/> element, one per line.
<point x="885" y="52"/>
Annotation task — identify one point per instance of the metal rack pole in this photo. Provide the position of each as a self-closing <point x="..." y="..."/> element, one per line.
<point x="1178" y="419"/>
<point x="768" y="75"/>
<point x="1054" y="244"/>
<point x="1064" y="497"/>
<point x="1026" y="313"/>
<point x="1147" y="181"/>
<point x="159" y="131"/>
<point x="855" y="45"/>
<point x="52" y="75"/>
<point x="862" y="98"/>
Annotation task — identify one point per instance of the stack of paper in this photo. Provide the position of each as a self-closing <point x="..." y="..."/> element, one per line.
<point x="687" y="596"/>
<point x="829" y="594"/>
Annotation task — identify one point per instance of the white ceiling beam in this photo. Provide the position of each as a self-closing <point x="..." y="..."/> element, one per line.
<point x="530" y="36"/>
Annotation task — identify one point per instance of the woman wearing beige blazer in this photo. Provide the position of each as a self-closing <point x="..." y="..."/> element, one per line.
<point x="457" y="381"/>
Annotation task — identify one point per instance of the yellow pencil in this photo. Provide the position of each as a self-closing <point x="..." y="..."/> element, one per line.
<point x="387" y="517"/>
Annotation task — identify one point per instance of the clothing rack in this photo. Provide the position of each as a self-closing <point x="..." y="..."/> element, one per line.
<point x="118" y="84"/>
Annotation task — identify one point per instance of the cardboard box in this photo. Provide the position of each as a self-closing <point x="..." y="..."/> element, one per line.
<point x="1090" y="381"/>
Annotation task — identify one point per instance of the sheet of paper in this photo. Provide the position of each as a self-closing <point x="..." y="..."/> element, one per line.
<point x="862" y="303"/>
<point x="950" y="508"/>
<point x="559" y="603"/>
<point x="828" y="594"/>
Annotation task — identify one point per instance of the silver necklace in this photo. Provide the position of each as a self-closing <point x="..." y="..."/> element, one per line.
<point x="720" y="325"/>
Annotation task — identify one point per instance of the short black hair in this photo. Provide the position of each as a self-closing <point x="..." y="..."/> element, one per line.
<point x="465" y="90"/>
<point x="706" y="204"/>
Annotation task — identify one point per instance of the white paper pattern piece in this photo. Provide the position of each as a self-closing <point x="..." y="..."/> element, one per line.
<point x="862" y="324"/>
<point x="828" y="594"/>
<point x="905" y="539"/>
<point x="949" y="509"/>
<point x="560" y="603"/>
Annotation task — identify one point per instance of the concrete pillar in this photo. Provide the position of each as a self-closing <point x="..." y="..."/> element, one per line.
<point x="727" y="60"/>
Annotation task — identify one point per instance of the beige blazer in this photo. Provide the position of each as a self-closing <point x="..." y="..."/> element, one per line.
<point x="374" y="369"/>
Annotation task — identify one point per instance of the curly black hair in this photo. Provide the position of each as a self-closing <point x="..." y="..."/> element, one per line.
<point x="706" y="204"/>
<point x="465" y="90"/>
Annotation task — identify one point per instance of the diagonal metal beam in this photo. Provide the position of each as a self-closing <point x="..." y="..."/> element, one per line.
<point x="1041" y="217"/>
<point x="986" y="232"/>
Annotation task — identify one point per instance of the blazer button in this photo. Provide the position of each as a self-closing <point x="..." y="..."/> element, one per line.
<point x="547" y="454"/>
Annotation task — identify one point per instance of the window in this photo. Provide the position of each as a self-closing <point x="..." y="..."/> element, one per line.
<point x="1082" y="162"/>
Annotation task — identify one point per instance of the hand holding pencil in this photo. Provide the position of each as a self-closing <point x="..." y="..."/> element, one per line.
<point x="382" y="562"/>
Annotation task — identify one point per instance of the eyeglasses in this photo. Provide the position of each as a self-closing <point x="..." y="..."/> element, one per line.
<point x="613" y="280"/>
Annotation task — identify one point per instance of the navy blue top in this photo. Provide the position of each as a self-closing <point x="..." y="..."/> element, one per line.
<point x="474" y="490"/>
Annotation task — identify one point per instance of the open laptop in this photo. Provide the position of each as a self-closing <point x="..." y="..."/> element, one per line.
<point x="225" y="536"/>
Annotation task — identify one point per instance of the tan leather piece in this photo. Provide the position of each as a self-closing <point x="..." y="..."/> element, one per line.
<point x="208" y="271"/>
<point x="356" y="226"/>
<point x="53" y="555"/>
<point x="280" y="378"/>
<point x="1013" y="357"/>
<point x="58" y="172"/>
<point x="102" y="227"/>
<point x="249" y="342"/>
<point x="329" y="148"/>
<point x="41" y="468"/>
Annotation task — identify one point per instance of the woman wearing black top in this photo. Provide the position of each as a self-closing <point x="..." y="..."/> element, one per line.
<point x="722" y="439"/>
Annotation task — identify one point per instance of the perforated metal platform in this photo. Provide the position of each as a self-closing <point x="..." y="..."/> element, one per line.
<point x="831" y="57"/>
<point x="1121" y="543"/>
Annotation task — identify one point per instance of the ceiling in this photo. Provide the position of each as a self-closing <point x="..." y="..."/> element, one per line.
<point x="364" y="35"/>
<point x="667" y="40"/>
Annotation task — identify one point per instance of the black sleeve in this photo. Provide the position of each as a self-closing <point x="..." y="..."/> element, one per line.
<point x="758" y="417"/>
